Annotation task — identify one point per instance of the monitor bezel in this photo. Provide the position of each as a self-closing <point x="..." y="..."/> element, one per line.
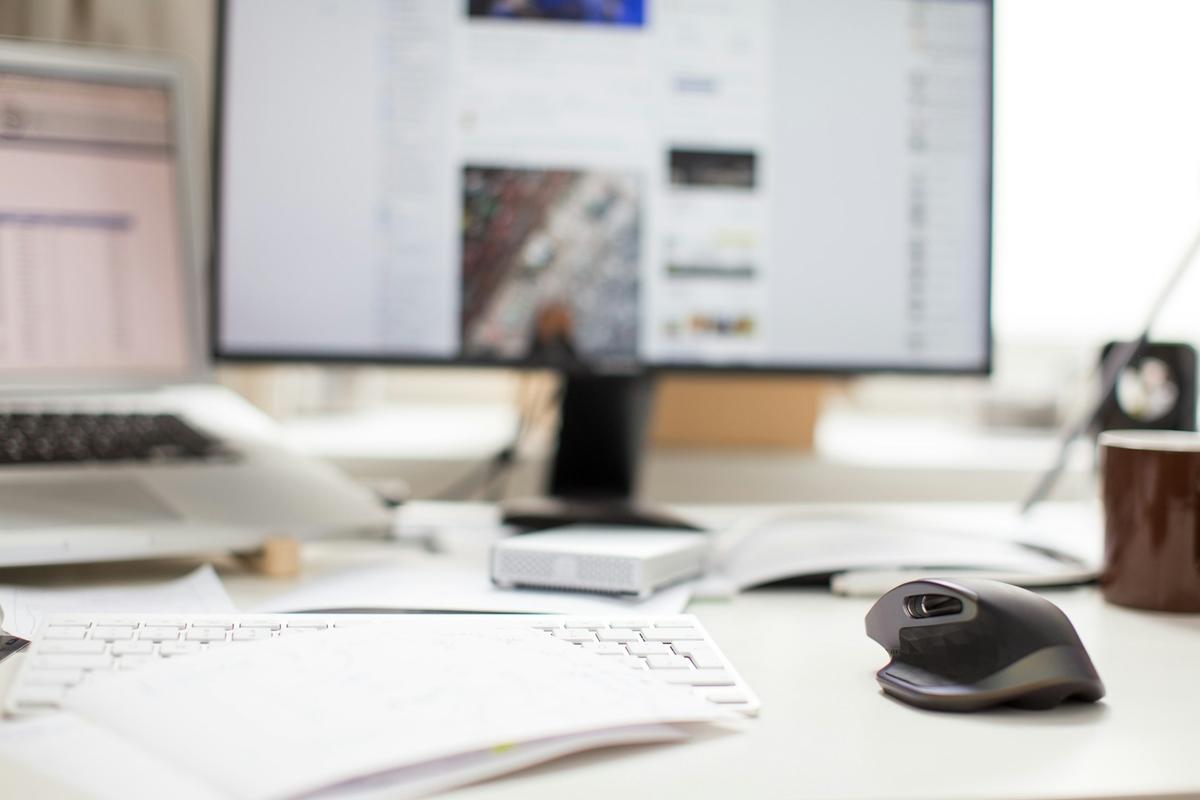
<point x="351" y="358"/>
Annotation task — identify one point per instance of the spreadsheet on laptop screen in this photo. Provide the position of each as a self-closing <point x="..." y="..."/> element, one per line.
<point x="91" y="253"/>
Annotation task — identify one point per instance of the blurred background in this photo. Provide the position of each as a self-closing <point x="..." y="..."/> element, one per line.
<point x="1097" y="192"/>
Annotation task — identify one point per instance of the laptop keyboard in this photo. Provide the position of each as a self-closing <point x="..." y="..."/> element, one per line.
<point x="44" y="438"/>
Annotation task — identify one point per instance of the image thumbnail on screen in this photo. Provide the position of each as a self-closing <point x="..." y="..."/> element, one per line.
<point x="610" y="12"/>
<point x="550" y="265"/>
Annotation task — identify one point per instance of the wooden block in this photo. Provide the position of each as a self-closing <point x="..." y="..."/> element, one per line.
<point x="737" y="411"/>
<point x="278" y="558"/>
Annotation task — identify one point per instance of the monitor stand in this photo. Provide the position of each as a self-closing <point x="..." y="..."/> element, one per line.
<point x="594" y="474"/>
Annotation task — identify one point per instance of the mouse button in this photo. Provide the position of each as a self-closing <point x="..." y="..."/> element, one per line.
<point x="964" y="588"/>
<point x="912" y="675"/>
<point x="1035" y="625"/>
<point x="1020" y="605"/>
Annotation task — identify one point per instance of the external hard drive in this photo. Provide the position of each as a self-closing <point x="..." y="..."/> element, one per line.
<point x="616" y="560"/>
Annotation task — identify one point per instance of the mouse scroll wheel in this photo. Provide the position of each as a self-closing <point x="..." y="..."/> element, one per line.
<point x="920" y="606"/>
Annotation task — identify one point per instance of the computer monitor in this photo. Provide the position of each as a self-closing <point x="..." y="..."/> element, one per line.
<point x="606" y="187"/>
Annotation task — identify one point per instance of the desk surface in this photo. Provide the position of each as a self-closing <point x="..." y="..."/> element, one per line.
<point x="826" y="730"/>
<point x="858" y="456"/>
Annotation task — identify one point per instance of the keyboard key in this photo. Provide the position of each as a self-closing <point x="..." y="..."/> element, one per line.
<point x="66" y="632"/>
<point x="112" y="633"/>
<point x="618" y="635"/>
<point x="589" y="624"/>
<point x="316" y="625"/>
<point x="574" y="636"/>
<point x="100" y="661"/>
<point x="639" y="622"/>
<point x="138" y="647"/>
<point x="649" y="649"/>
<point x="205" y="634"/>
<point x="159" y="633"/>
<point x="633" y="662"/>
<point x="672" y="634"/>
<point x="212" y="622"/>
<point x="245" y="634"/>
<point x="263" y="624"/>
<point x="69" y="619"/>
<point x="81" y="647"/>
<point x="135" y="661"/>
<point x="668" y="662"/>
<point x="54" y="677"/>
<point x="727" y="696"/>
<point x="132" y="622"/>
<point x="178" y="648"/>
<point x="29" y="697"/>
<point x="702" y="657"/>
<point x="605" y="648"/>
<point x="701" y="677"/>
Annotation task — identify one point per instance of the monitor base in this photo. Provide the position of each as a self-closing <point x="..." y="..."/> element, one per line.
<point x="540" y="513"/>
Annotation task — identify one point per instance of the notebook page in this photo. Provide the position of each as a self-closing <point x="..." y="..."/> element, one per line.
<point x="81" y="760"/>
<point x="277" y="718"/>
<point x="448" y="773"/>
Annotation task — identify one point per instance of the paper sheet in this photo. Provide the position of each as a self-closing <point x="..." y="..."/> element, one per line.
<point x="278" y="718"/>
<point x="895" y="537"/>
<point x="199" y="592"/>
<point x="448" y="773"/>
<point x="65" y="756"/>
<point x="435" y="584"/>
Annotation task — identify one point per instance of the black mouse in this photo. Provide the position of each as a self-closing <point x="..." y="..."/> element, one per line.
<point x="963" y="645"/>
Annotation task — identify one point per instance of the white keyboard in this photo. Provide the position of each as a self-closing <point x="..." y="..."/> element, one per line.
<point x="67" y="649"/>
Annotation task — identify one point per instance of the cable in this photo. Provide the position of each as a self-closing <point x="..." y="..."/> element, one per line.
<point x="491" y="476"/>
<point x="1110" y="370"/>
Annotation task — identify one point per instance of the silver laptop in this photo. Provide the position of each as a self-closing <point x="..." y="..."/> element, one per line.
<point x="114" y="443"/>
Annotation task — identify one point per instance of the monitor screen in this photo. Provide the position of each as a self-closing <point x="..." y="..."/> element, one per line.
<point x="757" y="184"/>
<point x="91" y="258"/>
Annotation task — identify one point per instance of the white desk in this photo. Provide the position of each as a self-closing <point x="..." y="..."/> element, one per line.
<point x="826" y="731"/>
<point x="858" y="457"/>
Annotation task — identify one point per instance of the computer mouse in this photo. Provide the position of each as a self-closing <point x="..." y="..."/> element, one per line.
<point x="965" y="645"/>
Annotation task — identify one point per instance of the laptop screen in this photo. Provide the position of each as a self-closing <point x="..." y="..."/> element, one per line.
<point x="91" y="257"/>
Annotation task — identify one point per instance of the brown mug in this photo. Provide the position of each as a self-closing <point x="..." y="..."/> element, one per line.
<point x="1151" y="493"/>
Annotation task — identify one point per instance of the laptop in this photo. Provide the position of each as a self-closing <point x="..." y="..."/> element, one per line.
<point x="114" y="441"/>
